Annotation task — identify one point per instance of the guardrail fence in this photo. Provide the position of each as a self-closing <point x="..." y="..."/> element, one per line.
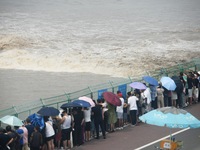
<point x="24" y="110"/>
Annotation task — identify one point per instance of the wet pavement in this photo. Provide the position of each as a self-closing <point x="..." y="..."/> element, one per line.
<point x="131" y="138"/>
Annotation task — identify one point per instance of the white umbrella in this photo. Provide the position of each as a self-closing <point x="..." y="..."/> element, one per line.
<point x="11" y="120"/>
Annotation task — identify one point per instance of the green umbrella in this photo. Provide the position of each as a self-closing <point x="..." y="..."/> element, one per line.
<point x="11" y="120"/>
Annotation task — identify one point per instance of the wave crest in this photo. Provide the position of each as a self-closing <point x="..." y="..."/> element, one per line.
<point x="8" y="42"/>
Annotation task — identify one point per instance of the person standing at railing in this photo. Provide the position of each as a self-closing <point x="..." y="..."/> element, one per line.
<point x="66" y="126"/>
<point x="78" y="124"/>
<point x="49" y="133"/>
<point x="87" y="117"/>
<point x="119" y="111"/>
<point x="190" y="86"/>
<point x="132" y="104"/>
<point x="160" y="97"/>
<point x="98" y="119"/>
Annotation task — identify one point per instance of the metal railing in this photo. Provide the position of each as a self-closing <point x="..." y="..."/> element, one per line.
<point x="24" y="110"/>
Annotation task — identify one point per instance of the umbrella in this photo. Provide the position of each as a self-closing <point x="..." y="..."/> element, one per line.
<point x="150" y="80"/>
<point x="179" y="84"/>
<point x="170" y="117"/>
<point x="82" y="103"/>
<point x="87" y="99"/>
<point x="37" y="120"/>
<point x="168" y="83"/>
<point x="138" y="85"/>
<point x="112" y="98"/>
<point x="48" y="111"/>
<point x="69" y="105"/>
<point x="11" y="120"/>
<point x="75" y="103"/>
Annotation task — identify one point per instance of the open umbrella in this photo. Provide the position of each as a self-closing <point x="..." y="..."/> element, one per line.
<point x="70" y="105"/>
<point x="138" y="85"/>
<point x="48" y="111"/>
<point x="87" y="99"/>
<point x="75" y="103"/>
<point x="150" y="80"/>
<point x="168" y="83"/>
<point x="170" y="117"/>
<point x="37" y="120"/>
<point x="179" y="84"/>
<point x="82" y="103"/>
<point x="112" y="98"/>
<point x="11" y="120"/>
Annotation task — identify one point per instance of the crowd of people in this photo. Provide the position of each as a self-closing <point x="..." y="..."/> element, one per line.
<point x="78" y="125"/>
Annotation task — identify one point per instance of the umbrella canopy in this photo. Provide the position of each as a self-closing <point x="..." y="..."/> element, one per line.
<point x="70" y="105"/>
<point x="168" y="83"/>
<point x="138" y="85"/>
<point x="11" y="120"/>
<point x="76" y="103"/>
<point x="82" y="103"/>
<point x="87" y="99"/>
<point x="112" y="98"/>
<point x="37" y="120"/>
<point x="150" y="80"/>
<point x="170" y="117"/>
<point x="179" y="84"/>
<point x="48" y="111"/>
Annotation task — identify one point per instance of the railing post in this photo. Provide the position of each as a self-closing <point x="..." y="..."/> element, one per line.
<point x="15" y="111"/>
<point x="130" y="79"/>
<point x="91" y="94"/>
<point x="68" y="96"/>
<point x="42" y="102"/>
<point x="113" y="90"/>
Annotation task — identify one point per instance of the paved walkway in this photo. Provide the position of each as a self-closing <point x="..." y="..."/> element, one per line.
<point x="131" y="138"/>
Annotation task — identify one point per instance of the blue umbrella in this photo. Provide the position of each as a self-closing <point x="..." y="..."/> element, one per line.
<point x="37" y="120"/>
<point x="76" y="103"/>
<point x="138" y="85"/>
<point x="170" y="117"/>
<point x="48" y="111"/>
<point x="150" y="80"/>
<point x="168" y="83"/>
<point x="69" y="105"/>
<point x="82" y="103"/>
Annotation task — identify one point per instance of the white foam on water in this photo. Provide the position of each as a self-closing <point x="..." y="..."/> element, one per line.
<point x="117" y="38"/>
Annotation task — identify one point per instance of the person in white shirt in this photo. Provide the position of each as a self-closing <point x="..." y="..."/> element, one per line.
<point x="87" y="117"/>
<point x="132" y="103"/>
<point x="50" y="133"/>
<point x="147" y="97"/>
<point x="66" y="126"/>
<point x="119" y="111"/>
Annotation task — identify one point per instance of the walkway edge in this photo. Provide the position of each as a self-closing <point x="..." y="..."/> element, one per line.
<point x="162" y="139"/>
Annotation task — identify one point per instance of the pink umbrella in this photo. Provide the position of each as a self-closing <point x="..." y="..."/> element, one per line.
<point x="112" y="98"/>
<point x="87" y="99"/>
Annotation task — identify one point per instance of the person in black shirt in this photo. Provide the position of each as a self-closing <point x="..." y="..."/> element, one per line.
<point x="78" y="123"/>
<point x="5" y="140"/>
<point x="98" y="120"/>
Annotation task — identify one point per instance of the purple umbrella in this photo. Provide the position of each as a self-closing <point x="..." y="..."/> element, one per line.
<point x="138" y="85"/>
